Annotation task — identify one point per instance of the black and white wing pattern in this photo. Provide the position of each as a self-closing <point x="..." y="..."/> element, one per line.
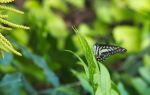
<point x="102" y="51"/>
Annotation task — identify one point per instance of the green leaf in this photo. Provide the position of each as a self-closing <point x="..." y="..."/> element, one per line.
<point x="122" y="89"/>
<point x="10" y="84"/>
<point x="141" y="86"/>
<point x="92" y="63"/>
<point x="114" y="92"/>
<point x="145" y="73"/>
<point x="89" y="57"/>
<point x="82" y="63"/>
<point x="51" y="77"/>
<point x="115" y="88"/>
<point x="146" y="35"/>
<point x="83" y="80"/>
<point x="102" y="78"/>
<point x="41" y="63"/>
<point x="99" y="77"/>
<point x="147" y="60"/>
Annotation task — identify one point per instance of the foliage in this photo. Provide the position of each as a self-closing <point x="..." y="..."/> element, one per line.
<point x="7" y="25"/>
<point x="46" y="66"/>
<point x="97" y="74"/>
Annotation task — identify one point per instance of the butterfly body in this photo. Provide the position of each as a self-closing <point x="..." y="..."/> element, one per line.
<point x="102" y="51"/>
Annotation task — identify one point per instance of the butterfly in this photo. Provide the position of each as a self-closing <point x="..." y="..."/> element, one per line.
<point x="102" y="51"/>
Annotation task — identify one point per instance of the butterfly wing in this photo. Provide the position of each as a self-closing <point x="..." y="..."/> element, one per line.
<point x="103" y="51"/>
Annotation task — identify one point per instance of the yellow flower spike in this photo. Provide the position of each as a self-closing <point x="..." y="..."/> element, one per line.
<point x="11" y="9"/>
<point x="6" y="1"/>
<point x="5" y="28"/>
<point x="6" y="45"/>
<point x="12" y="24"/>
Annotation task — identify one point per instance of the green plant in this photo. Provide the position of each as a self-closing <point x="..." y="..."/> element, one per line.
<point x="97" y="74"/>
<point x="5" y="45"/>
<point x="44" y="67"/>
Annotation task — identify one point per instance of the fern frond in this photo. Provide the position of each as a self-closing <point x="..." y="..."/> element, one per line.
<point x="11" y="9"/>
<point x="12" y="24"/>
<point x="5" y="28"/>
<point x="3" y="16"/>
<point x="6" y="1"/>
<point x="6" y="45"/>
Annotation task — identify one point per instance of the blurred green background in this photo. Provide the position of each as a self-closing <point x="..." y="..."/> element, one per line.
<point x="45" y="68"/>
